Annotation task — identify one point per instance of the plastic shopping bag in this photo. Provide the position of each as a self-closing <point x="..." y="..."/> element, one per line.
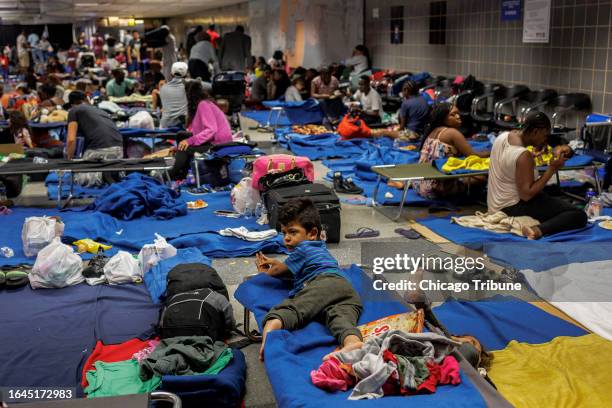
<point x="56" y="266"/>
<point x="244" y="197"/>
<point x="38" y="232"/>
<point x="151" y="254"/>
<point x="122" y="268"/>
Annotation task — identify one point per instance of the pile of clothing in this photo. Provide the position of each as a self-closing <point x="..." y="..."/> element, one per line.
<point x="140" y="196"/>
<point x="394" y="363"/>
<point x="196" y="319"/>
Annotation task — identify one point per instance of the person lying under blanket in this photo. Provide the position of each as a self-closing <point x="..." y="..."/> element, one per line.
<point x="321" y="290"/>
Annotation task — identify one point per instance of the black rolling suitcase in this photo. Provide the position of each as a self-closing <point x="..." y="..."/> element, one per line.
<point x="324" y="198"/>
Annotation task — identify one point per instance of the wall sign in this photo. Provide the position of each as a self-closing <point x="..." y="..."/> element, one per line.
<point x="510" y="10"/>
<point x="536" y="23"/>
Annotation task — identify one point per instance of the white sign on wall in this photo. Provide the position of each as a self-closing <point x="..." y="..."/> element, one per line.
<point x="536" y="21"/>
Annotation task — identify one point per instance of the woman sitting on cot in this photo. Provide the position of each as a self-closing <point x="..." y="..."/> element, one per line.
<point x="444" y="140"/>
<point x="207" y="124"/>
<point x="516" y="189"/>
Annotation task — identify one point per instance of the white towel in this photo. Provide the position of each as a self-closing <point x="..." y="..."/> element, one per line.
<point x="244" y="233"/>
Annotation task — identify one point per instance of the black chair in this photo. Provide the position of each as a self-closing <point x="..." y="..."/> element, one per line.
<point x="537" y="100"/>
<point x="511" y="98"/>
<point x="463" y="102"/>
<point x="496" y="92"/>
<point x="567" y="103"/>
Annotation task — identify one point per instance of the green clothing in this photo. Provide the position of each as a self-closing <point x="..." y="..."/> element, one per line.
<point x="221" y="362"/>
<point x="120" y="378"/>
<point x="182" y="355"/>
<point x="114" y="89"/>
<point x="412" y="371"/>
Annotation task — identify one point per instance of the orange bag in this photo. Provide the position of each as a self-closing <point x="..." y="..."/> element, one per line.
<point x="352" y="127"/>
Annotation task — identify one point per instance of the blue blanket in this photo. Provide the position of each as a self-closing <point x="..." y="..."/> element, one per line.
<point x="196" y="229"/>
<point x="576" y="161"/>
<point x="139" y="196"/>
<point x="498" y="320"/>
<point x="299" y="113"/>
<point x="261" y="117"/>
<point x="139" y="132"/>
<point x="476" y="237"/>
<point x="223" y="390"/>
<point x="325" y="146"/>
<point x="47" y="334"/>
<point x="301" y="351"/>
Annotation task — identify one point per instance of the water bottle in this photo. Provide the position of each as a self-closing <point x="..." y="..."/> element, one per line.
<point x="590" y="194"/>
<point x="3" y="196"/>
<point x="40" y="160"/>
<point x="259" y="209"/>
<point x="190" y="180"/>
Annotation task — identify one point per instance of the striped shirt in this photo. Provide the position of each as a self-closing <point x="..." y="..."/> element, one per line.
<point x="310" y="259"/>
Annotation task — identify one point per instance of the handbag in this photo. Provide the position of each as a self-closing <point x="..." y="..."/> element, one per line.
<point x="292" y="177"/>
<point x="278" y="163"/>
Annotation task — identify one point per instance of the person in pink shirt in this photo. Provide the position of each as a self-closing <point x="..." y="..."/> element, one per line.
<point x="207" y="125"/>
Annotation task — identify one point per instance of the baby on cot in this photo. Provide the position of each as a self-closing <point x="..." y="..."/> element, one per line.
<point x="320" y="290"/>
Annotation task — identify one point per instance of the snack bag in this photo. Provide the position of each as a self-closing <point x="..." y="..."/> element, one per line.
<point x="410" y="322"/>
<point x="89" y="245"/>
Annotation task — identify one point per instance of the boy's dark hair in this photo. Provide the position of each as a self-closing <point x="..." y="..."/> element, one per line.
<point x="302" y="211"/>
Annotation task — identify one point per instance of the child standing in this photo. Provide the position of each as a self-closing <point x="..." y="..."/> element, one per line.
<point x="18" y="126"/>
<point x="320" y="290"/>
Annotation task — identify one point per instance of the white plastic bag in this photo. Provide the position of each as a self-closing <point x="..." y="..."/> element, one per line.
<point x="244" y="197"/>
<point x="38" y="232"/>
<point x="56" y="266"/>
<point x="142" y="120"/>
<point x="122" y="268"/>
<point x="151" y="254"/>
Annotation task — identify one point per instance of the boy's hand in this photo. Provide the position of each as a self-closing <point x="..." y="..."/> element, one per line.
<point x="264" y="264"/>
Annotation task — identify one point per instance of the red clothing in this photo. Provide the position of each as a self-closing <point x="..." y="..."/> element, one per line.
<point x="449" y="371"/>
<point x="111" y="354"/>
<point x="429" y="385"/>
<point x="214" y="37"/>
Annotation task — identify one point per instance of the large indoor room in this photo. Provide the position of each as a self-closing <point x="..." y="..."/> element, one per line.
<point x="305" y="203"/>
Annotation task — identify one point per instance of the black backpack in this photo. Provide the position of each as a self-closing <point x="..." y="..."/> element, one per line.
<point x="191" y="314"/>
<point x="192" y="276"/>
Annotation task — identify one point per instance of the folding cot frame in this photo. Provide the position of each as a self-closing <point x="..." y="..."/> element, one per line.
<point x="489" y="394"/>
<point x="121" y="165"/>
<point x="408" y="173"/>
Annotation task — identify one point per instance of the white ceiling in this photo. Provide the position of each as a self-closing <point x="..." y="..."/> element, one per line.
<point x="66" y="11"/>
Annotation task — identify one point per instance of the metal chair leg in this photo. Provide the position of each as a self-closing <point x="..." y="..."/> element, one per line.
<point x="167" y="397"/>
<point x="401" y="207"/>
<point x="247" y="318"/>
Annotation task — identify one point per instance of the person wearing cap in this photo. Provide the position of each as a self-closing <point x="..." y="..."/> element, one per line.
<point x="516" y="188"/>
<point x="102" y="139"/>
<point x="120" y="85"/>
<point x="174" y="98"/>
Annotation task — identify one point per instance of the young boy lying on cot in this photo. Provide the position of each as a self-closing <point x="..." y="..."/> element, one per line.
<point x="320" y="290"/>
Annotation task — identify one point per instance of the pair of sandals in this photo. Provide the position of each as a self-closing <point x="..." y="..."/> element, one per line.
<point x="342" y="185"/>
<point x="367" y="232"/>
<point x="14" y="277"/>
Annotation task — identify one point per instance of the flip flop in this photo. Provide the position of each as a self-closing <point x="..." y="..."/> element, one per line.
<point x="363" y="232"/>
<point x="15" y="279"/>
<point x="408" y="233"/>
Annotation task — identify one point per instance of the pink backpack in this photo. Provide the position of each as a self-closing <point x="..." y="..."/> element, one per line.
<point x="276" y="163"/>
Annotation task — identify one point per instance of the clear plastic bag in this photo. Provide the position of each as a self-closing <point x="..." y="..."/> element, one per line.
<point x="56" y="266"/>
<point x="122" y="268"/>
<point x="244" y="197"/>
<point x="142" y="120"/>
<point x="151" y="254"/>
<point x="38" y="232"/>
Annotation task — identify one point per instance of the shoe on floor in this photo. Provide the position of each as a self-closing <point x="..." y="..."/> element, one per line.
<point x="342" y="185"/>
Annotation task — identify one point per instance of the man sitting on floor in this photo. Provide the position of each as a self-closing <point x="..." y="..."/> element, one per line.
<point x="102" y="138"/>
<point x="414" y="112"/>
<point x="370" y="100"/>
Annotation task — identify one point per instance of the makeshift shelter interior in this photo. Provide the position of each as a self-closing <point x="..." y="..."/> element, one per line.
<point x="298" y="203"/>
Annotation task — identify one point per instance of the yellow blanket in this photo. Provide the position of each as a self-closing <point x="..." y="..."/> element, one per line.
<point x="472" y="162"/>
<point x="566" y="372"/>
<point x="542" y="157"/>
